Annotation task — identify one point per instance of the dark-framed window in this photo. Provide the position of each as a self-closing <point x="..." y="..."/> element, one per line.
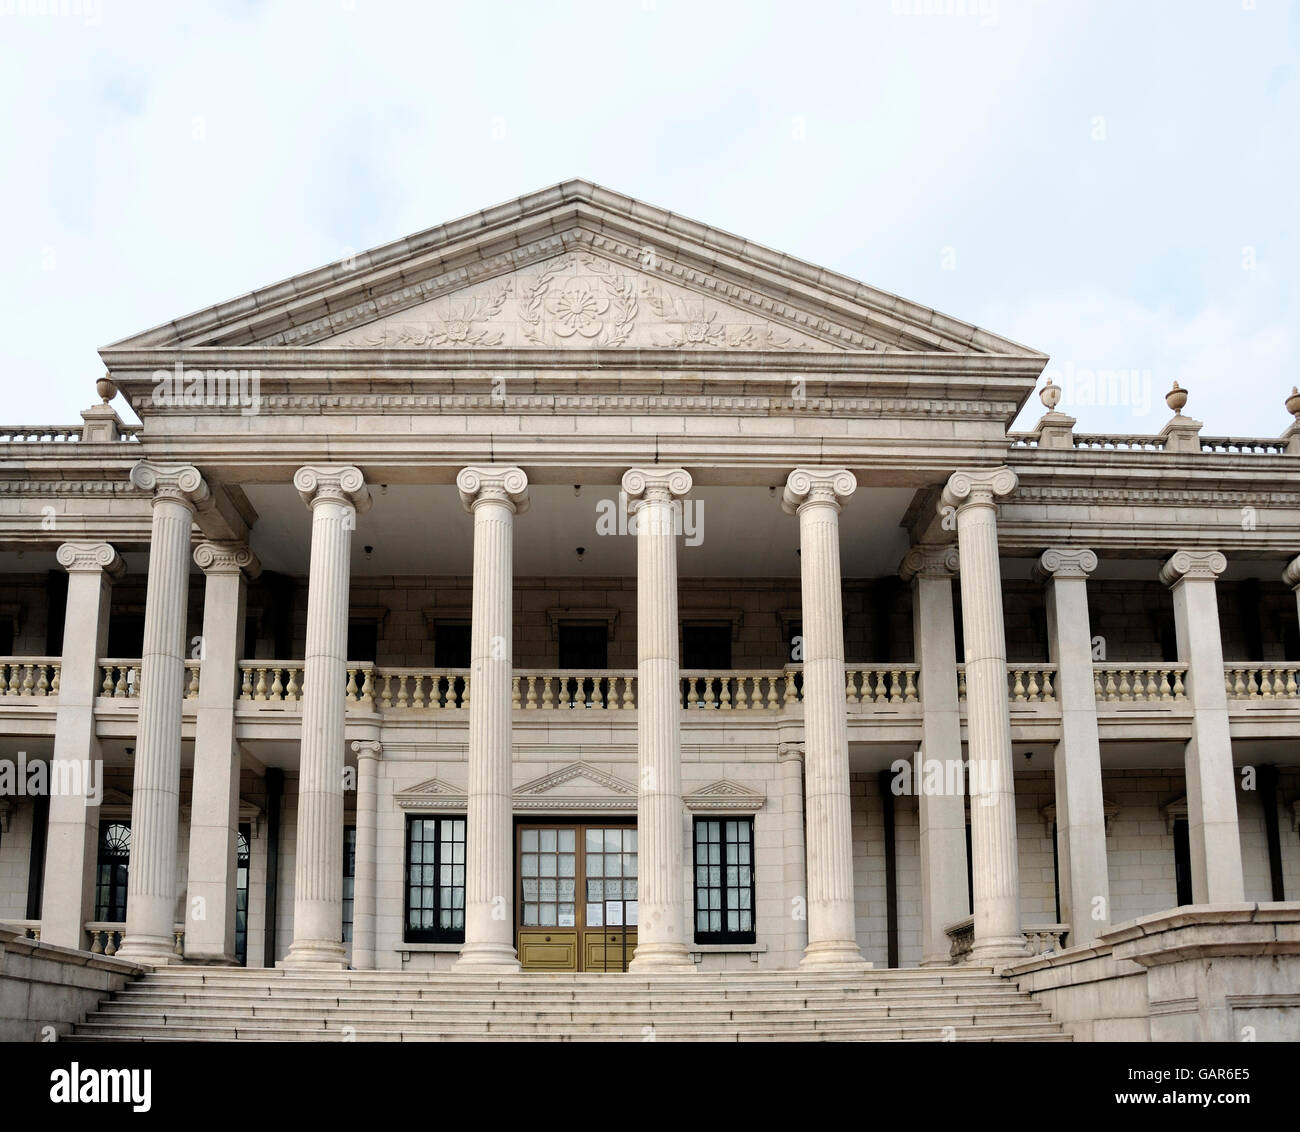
<point x="435" y="880"/>
<point x="349" y="878"/>
<point x="111" y="871"/>
<point x="363" y="641"/>
<point x="706" y="647"/>
<point x="724" y="880"/>
<point x="242" y="857"/>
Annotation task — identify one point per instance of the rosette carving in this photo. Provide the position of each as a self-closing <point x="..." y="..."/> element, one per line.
<point x="817" y="485"/>
<point x="501" y="482"/>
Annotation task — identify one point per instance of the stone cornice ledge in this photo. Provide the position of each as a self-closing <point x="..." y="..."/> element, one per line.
<point x="1197" y="931"/>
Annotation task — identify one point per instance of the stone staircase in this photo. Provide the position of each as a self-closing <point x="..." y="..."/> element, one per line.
<point x="228" y="1004"/>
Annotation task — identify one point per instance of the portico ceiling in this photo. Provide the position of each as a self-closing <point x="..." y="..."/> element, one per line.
<point x="739" y="532"/>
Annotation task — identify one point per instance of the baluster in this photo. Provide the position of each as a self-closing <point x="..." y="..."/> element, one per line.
<point x="548" y="700"/>
<point x="850" y="686"/>
<point x="724" y="693"/>
<point x="579" y="698"/>
<point x="15" y="678"/>
<point x="629" y="700"/>
<point x="114" y="938"/>
<point x="178" y="946"/>
<point x="260" y="693"/>
<point x="464" y="699"/>
<point x="1097" y="690"/>
<point x="1111" y="694"/>
<point x="386" y="689"/>
<point x="417" y="692"/>
<point x="277" y="686"/>
<point x="597" y="696"/>
<point x="1252" y="687"/>
<point x="96" y="943"/>
<point x="961" y="683"/>
<point x="42" y="685"/>
<point x="1266" y="683"/>
<point x="772" y="702"/>
<point x="29" y="680"/>
<point x="1049" y="693"/>
<point x="1125" y="686"/>
<point x="122" y="689"/>
<point x="402" y="698"/>
<point x="193" y="693"/>
<point x="294" y="690"/>
<point x="368" y="686"/>
<point x="1236" y="685"/>
<point x="692" y="698"/>
<point x="246" y="683"/>
<point x="709" y="702"/>
<point x="1018" y="689"/>
<point x="58" y="673"/>
<point x="909" y="688"/>
<point x="1152" y="692"/>
<point x="791" y="692"/>
<point x="1179" y="691"/>
<point x="742" y="704"/>
<point x="1164" y="690"/>
<point x="1290" y="684"/>
<point x="1031" y="692"/>
<point x="530" y="694"/>
<point x="350" y="692"/>
<point x="895" y="686"/>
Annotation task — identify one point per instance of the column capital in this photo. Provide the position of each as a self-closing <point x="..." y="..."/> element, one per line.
<point x="180" y="483"/>
<point x="367" y="749"/>
<point x="333" y="483"/>
<point x="817" y="485"/>
<point x="646" y="484"/>
<point x="1065" y="562"/>
<point x="226" y="558"/>
<point x="501" y="483"/>
<point x="978" y="486"/>
<point x="1193" y="564"/>
<point x="1291" y="575"/>
<point x="790" y="752"/>
<point x="90" y="558"/>
<point x="930" y="562"/>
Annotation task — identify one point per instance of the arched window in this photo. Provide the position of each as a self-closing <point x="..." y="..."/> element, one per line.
<point x="111" y="871"/>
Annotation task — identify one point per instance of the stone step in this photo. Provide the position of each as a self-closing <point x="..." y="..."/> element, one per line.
<point x="849" y="1032"/>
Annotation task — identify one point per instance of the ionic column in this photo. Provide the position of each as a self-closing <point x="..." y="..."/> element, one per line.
<point x="815" y="495"/>
<point x="68" y="893"/>
<point x="1080" y="813"/>
<point x="335" y="494"/>
<point x="155" y="799"/>
<point x="494" y="495"/>
<point x="941" y="813"/>
<point x="653" y="495"/>
<point x="1211" y="787"/>
<point x="212" y="885"/>
<point x="998" y="935"/>
<point x="368" y="752"/>
<point x="792" y="845"/>
<point x="1291" y="575"/>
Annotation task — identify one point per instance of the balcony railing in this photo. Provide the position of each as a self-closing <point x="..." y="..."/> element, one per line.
<point x="29" y="677"/>
<point x="1261" y="682"/>
<point x="1026" y="683"/>
<point x="1041" y="939"/>
<point x="105" y="937"/>
<point x="1120" y="683"/>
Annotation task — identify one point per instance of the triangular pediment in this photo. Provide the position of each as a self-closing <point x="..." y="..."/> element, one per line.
<point x="577" y="780"/>
<point x="574" y="266"/>
<point x="724" y="795"/>
<point x="432" y="793"/>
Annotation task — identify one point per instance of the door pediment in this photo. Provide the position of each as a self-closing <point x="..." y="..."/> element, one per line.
<point x="576" y="789"/>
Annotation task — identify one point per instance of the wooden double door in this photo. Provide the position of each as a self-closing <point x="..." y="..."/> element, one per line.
<point x="576" y="895"/>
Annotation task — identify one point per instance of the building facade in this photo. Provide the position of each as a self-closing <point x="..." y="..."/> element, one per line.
<point x="579" y="587"/>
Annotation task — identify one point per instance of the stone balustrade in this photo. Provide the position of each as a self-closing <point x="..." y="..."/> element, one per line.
<point x="1246" y="444"/>
<point x="28" y="929"/>
<point x="1026" y="683"/>
<point x="896" y="684"/>
<point x="590" y="690"/>
<point x="105" y="937"/>
<point x="29" y="677"/>
<point x="1124" y="683"/>
<point x="1040" y="939"/>
<point x="754" y="690"/>
<point x="1261" y="681"/>
<point x="120" y="679"/>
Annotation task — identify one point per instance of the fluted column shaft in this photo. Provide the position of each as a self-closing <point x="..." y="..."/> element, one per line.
<point x="155" y="796"/>
<point x="368" y="752"/>
<point x="998" y="935"/>
<point x="941" y="812"/>
<point x="792" y="847"/>
<point x="335" y="494"/>
<point x="212" y="888"/>
<point x="493" y="495"/>
<point x="1080" y="809"/>
<point x="67" y="896"/>
<point x="815" y="496"/>
<point x="654" y="495"/>
<point x="1213" y="833"/>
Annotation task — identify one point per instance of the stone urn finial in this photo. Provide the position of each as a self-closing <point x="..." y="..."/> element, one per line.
<point x="106" y="387"/>
<point x="1293" y="403"/>
<point x="1176" y="398"/>
<point x="1050" y="395"/>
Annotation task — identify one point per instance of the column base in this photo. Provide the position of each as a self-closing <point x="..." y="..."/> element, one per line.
<point x="315" y="955"/>
<point x="998" y="951"/>
<point x="660" y="959"/>
<point x="833" y="955"/>
<point x="155" y="951"/>
<point x="487" y="959"/>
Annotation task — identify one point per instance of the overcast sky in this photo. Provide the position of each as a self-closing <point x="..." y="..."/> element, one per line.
<point x="1114" y="183"/>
